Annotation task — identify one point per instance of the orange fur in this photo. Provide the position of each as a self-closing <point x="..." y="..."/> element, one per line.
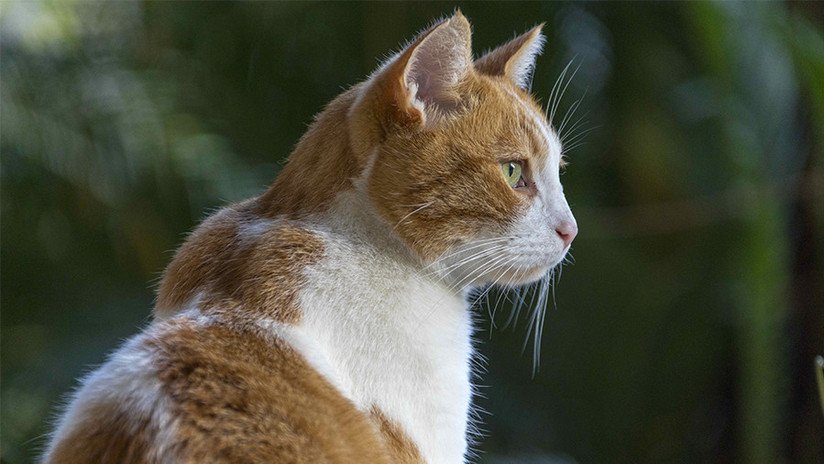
<point x="321" y="165"/>
<point x="240" y="276"/>
<point x="460" y="174"/>
<point x="108" y="434"/>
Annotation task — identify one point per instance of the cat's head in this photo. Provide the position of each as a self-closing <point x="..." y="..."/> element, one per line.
<point x="463" y="165"/>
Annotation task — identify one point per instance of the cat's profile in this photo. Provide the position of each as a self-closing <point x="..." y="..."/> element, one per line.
<point x="327" y="319"/>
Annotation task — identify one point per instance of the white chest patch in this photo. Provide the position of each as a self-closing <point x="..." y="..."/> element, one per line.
<point x="387" y="335"/>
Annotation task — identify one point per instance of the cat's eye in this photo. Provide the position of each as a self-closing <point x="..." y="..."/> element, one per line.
<point x="513" y="173"/>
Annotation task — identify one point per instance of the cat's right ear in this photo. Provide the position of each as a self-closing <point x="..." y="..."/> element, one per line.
<point x="420" y="82"/>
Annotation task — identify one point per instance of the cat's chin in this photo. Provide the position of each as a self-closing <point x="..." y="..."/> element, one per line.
<point x="513" y="277"/>
<point x="525" y="276"/>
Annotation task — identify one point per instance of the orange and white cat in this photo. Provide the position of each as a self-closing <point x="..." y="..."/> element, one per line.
<point x="327" y="319"/>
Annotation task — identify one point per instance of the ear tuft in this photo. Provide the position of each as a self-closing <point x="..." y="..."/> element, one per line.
<point x="515" y="59"/>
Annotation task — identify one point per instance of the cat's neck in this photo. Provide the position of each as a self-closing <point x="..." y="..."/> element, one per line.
<point x="352" y="217"/>
<point x="333" y="151"/>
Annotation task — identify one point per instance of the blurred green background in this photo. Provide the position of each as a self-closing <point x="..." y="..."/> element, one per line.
<point x="684" y="331"/>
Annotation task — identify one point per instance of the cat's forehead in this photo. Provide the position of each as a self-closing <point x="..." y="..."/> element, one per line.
<point x="524" y="123"/>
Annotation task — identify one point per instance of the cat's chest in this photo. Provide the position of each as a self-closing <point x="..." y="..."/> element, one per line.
<point x="389" y="337"/>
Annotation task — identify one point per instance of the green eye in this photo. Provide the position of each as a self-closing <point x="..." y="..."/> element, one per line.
<point x="512" y="172"/>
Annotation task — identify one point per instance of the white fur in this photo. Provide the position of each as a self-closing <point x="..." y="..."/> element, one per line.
<point x="387" y="333"/>
<point x="251" y="230"/>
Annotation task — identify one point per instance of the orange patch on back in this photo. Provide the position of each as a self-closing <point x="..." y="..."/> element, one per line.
<point x="240" y="264"/>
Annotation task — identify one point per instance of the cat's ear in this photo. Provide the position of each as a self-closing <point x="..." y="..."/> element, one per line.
<point x="514" y="59"/>
<point x="422" y="79"/>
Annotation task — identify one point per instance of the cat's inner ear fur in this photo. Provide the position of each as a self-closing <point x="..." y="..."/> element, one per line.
<point x="514" y="59"/>
<point x="426" y="73"/>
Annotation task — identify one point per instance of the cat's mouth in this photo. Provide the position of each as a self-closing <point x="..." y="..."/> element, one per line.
<point x="490" y="263"/>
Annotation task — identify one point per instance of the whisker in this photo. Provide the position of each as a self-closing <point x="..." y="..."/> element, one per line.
<point x="481" y="254"/>
<point x="481" y="270"/>
<point x="539" y="323"/>
<point x="570" y="133"/>
<point x="512" y="261"/>
<point x="553" y="94"/>
<point x="574" y="140"/>
<point x="562" y="91"/>
<point x="465" y="249"/>
<point x="476" y="244"/>
<point x="520" y="299"/>
<point x="420" y="208"/>
<point x="501" y="292"/>
<point x="570" y="113"/>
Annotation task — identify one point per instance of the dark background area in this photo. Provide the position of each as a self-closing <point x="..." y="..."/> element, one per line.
<point x="684" y="331"/>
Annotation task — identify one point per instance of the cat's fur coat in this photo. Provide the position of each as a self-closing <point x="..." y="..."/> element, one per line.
<point x="326" y="320"/>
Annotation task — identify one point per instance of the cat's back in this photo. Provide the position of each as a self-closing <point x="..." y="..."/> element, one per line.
<point x="190" y="389"/>
<point x="209" y="380"/>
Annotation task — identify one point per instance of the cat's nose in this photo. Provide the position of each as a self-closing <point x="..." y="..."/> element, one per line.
<point x="567" y="230"/>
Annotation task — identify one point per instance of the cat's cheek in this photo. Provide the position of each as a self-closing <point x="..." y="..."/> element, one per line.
<point x="539" y="245"/>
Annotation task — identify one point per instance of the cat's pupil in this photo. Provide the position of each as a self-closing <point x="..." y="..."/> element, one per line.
<point x="511" y="169"/>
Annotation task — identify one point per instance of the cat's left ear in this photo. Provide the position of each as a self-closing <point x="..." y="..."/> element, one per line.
<point x="515" y="59"/>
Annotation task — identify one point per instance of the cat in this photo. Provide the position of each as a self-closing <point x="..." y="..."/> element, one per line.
<point x="327" y="320"/>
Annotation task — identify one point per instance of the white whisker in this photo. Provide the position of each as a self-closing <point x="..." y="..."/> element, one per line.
<point x="553" y="94"/>
<point x="418" y="209"/>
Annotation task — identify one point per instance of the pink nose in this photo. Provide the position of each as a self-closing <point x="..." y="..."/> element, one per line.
<point x="567" y="231"/>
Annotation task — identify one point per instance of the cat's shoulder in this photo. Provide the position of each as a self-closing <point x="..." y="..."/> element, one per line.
<point x="240" y="258"/>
